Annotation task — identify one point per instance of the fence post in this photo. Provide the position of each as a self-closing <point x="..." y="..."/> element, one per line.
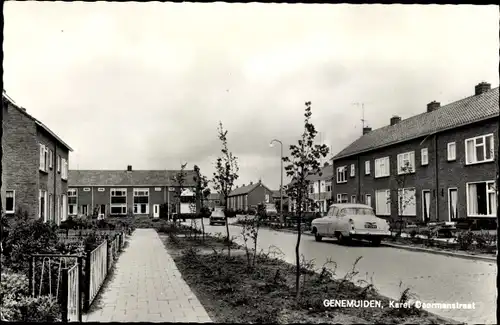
<point x="64" y="295"/>
<point x="80" y="287"/>
<point x="108" y="260"/>
<point x="86" y="301"/>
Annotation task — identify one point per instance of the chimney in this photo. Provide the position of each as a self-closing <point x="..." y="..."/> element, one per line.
<point x="243" y="185"/>
<point x="251" y="183"/>
<point x="395" y="120"/>
<point x="482" y="87"/>
<point x="366" y="130"/>
<point x="129" y="168"/>
<point x="432" y="106"/>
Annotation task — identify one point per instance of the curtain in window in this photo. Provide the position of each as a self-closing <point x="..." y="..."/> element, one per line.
<point x="473" y="206"/>
<point x="470" y="151"/>
<point x="453" y="204"/>
<point x="493" y="203"/>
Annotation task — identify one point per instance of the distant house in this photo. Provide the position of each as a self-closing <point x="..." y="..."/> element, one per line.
<point x="246" y="196"/>
<point x="137" y="192"/>
<point x="277" y="197"/>
<point x="34" y="165"/>
<point x="213" y="200"/>
<point x="439" y="165"/>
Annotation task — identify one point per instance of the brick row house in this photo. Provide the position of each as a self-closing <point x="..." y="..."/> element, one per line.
<point x="34" y="165"/>
<point x="104" y="193"/>
<point x="435" y="166"/>
<point x="248" y="196"/>
<point x="214" y="200"/>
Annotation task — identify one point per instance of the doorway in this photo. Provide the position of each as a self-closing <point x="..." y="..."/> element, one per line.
<point x="102" y="211"/>
<point x="156" y="210"/>
<point x="452" y="204"/>
<point x="426" y="205"/>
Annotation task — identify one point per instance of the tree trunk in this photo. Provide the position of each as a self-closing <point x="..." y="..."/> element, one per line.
<point x="297" y="253"/>
<point x="227" y="230"/>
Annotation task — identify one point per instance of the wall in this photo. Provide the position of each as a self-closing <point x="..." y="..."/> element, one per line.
<point x="20" y="159"/>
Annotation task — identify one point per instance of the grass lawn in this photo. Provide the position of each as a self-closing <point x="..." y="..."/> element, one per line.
<point x="231" y="292"/>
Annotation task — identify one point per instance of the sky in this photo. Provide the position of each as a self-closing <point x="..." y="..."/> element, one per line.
<point x="146" y="84"/>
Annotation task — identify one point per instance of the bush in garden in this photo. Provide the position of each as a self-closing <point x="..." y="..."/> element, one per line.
<point x="465" y="239"/>
<point x="485" y="240"/>
<point x="26" y="236"/>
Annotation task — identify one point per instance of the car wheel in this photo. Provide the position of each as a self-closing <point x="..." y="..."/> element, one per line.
<point x="317" y="237"/>
<point x="343" y="239"/>
<point x="211" y="223"/>
<point x="376" y="241"/>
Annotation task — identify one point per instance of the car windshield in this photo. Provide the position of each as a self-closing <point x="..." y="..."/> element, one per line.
<point x="358" y="211"/>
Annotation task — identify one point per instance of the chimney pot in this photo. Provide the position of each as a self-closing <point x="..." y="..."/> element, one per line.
<point x="129" y="168"/>
<point x="251" y="183"/>
<point x="366" y="130"/>
<point x="243" y="185"/>
<point x="432" y="106"/>
<point x="395" y="120"/>
<point x="482" y="87"/>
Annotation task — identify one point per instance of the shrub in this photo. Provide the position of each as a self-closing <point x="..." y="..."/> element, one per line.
<point x="413" y="233"/>
<point x="26" y="236"/>
<point x="485" y="240"/>
<point x="465" y="239"/>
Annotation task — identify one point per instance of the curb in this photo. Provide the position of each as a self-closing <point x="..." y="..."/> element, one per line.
<point x="414" y="249"/>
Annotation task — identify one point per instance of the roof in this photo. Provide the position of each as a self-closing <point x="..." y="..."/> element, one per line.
<point x="37" y="122"/>
<point x="278" y="194"/>
<point x="463" y="112"/>
<point x="128" y="178"/>
<point x="246" y="189"/>
<point x="326" y="174"/>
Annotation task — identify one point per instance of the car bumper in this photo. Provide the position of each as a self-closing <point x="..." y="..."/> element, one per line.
<point x="367" y="234"/>
<point x="218" y="220"/>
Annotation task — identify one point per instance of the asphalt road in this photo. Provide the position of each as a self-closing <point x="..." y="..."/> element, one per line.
<point x="433" y="278"/>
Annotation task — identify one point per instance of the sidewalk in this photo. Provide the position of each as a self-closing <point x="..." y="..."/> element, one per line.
<point x="147" y="287"/>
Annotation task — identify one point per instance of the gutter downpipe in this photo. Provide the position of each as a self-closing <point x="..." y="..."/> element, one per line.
<point x="436" y="166"/>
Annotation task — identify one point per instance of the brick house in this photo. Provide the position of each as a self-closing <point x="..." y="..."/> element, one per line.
<point x="213" y="200"/>
<point x="435" y="166"/>
<point x="138" y="192"/>
<point x="246" y="196"/>
<point x="34" y="165"/>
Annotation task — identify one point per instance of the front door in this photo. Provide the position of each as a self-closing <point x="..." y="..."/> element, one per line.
<point x="156" y="210"/>
<point x="102" y="210"/>
<point x="452" y="204"/>
<point x="426" y="205"/>
<point x="368" y="199"/>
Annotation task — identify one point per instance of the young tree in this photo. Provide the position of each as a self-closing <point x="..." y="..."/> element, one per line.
<point x="202" y="193"/>
<point x="226" y="173"/>
<point x="180" y="180"/>
<point x="304" y="162"/>
<point x="403" y="199"/>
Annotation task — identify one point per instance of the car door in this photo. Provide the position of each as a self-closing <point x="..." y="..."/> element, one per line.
<point x="332" y="222"/>
<point x="339" y="221"/>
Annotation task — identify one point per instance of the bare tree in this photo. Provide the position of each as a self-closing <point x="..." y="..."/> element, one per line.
<point x="202" y="194"/>
<point x="226" y="173"/>
<point x="304" y="162"/>
<point x="180" y="180"/>
<point x="403" y="200"/>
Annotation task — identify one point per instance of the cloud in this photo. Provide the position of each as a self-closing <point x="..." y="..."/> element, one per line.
<point x="146" y="84"/>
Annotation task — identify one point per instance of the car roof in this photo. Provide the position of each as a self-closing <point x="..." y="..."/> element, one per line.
<point x="350" y="205"/>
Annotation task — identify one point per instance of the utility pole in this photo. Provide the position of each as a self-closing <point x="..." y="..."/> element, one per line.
<point x="362" y="114"/>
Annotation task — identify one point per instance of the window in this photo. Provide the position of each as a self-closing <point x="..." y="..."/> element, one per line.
<point x="267" y="198"/>
<point x="44" y="158"/>
<point x="353" y="170"/>
<point x="58" y="209"/>
<point x="72" y="201"/>
<point x="353" y="199"/>
<point x="406" y="163"/>
<point x="311" y="189"/>
<point x="452" y="151"/>
<point x="383" y="202"/>
<point x="328" y="187"/>
<point x="322" y="187"/>
<point x="382" y="167"/>
<point x="481" y="199"/>
<point x="58" y="163"/>
<point x="424" y="156"/>
<point x="158" y="189"/>
<point x="86" y="189"/>
<point x="367" y="167"/>
<point x="10" y="201"/>
<point x="141" y="201"/>
<point x="406" y="202"/>
<point x="84" y="208"/>
<point x="51" y="208"/>
<point x="171" y="189"/>
<point x="42" y="206"/>
<point x="368" y="199"/>
<point x="51" y="159"/>
<point x="118" y="201"/>
<point x="341" y="174"/>
<point x="100" y="189"/>
<point x="64" y="169"/>
<point x="452" y="203"/>
<point x="479" y="149"/>
<point x="64" y="207"/>
<point x="342" y="198"/>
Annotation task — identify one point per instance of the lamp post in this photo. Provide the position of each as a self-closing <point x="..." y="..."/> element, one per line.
<point x="281" y="186"/>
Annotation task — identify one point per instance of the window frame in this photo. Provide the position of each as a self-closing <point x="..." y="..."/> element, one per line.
<point x="51" y="159"/>
<point x="58" y="163"/>
<point x="450" y="157"/>
<point x="426" y="150"/>
<point x="43" y="165"/>
<point x="353" y="199"/>
<point x="403" y="191"/>
<point x="474" y="139"/>
<point x="157" y="189"/>
<point x="100" y="189"/>
<point x="343" y="170"/>
<point x="352" y="172"/>
<point x="122" y="206"/>
<point x="72" y="192"/>
<point x="488" y="191"/>
<point x="401" y="159"/>
<point x="140" y="192"/>
<point x="367" y="167"/>
<point x="388" y="202"/>
<point x="13" y="201"/>
<point x="387" y="162"/>
<point x="86" y="189"/>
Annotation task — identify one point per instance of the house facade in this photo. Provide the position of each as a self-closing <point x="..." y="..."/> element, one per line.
<point x="432" y="167"/>
<point x="214" y="200"/>
<point x="105" y="193"/>
<point x="34" y="166"/>
<point x="246" y="196"/>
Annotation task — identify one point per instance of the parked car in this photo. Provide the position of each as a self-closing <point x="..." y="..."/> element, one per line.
<point x="347" y="221"/>
<point x="217" y="216"/>
<point x="268" y="211"/>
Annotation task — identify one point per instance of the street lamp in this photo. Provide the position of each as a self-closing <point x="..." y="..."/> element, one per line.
<point x="281" y="187"/>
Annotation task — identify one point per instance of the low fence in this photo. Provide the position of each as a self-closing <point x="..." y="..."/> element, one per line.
<point x="74" y="280"/>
